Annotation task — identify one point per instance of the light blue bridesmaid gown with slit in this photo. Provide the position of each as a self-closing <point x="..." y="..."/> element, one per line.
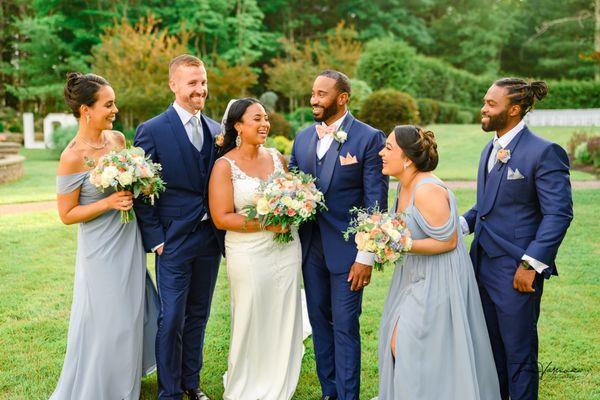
<point x="112" y="327"/>
<point x="443" y="349"/>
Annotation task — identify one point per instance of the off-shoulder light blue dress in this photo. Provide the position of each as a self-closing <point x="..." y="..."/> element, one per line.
<point x="112" y="328"/>
<point x="443" y="349"/>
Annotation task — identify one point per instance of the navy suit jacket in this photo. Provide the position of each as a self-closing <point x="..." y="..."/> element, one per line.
<point x="181" y="207"/>
<point x="523" y="216"/>
<point x="344" y="186"/>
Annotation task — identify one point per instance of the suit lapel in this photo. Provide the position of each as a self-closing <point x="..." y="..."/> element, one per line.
<point x="482" y="172"/>
<point x="332" y="154"/>
<point x="185" y="147"/>
<point x="312" y="153"/>
<point x="494" y="178"/>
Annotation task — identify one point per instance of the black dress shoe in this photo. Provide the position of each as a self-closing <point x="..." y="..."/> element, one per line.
<point x="196" y="394"/>
<point x="328" y="398"/>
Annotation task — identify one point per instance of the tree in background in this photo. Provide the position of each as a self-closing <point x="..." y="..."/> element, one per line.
<point x="41" y="63"/>
<point x="135" y="60"/>
<point x="293" y="74"/>
<point x="226" y="82"/>
<point x="340" y="50"/>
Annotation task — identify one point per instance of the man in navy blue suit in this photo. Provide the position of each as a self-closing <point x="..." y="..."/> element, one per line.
<point x="521" y="216"/>
<point x="179" y="229"/>
<point x="342" y="153"/>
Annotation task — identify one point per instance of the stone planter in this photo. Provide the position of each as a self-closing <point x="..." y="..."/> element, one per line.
<point x="11" y="163"/>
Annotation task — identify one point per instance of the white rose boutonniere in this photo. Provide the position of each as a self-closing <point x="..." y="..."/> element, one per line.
<point x="340" y="136"/>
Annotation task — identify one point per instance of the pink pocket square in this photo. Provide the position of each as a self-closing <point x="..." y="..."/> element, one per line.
<point x="348" y="160"/>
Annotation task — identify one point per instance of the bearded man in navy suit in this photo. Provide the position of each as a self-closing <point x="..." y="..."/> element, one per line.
<point x="179" y="229"/>
<point x="342" y="153"/>
<point x="523" y="210"/>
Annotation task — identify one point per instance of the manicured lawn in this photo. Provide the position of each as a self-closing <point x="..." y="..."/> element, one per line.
<point x="459" y="147"/>
<point x="39" y="182"/>
<point x="36" y="278"/>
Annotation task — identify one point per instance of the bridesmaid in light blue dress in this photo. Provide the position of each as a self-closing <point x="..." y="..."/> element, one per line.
<point x="110" y="343"/>
<point x="433" y="341"/>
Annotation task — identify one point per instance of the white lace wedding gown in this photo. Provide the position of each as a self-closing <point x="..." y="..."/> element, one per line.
<point x="266" y="310"/>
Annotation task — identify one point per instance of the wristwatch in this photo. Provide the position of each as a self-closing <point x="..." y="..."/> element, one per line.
<point x="525" y="264"/>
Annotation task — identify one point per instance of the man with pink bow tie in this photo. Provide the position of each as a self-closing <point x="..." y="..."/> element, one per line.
<point x="342" y="152"/>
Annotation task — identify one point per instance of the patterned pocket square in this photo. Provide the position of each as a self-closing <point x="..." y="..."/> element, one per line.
<point x="514" y="175"/>
<point x="348" y="160"/>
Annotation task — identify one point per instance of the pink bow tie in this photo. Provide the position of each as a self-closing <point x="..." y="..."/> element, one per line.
<point x="323" y="131"/>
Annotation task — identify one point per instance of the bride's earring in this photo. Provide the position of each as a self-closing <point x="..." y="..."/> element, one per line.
<point x="238" y="140"/>
<point x="87" y="118"/>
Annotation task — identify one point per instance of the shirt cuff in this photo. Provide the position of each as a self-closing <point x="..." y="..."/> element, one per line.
<point x="364" y="257"/>
<point x="157" y="246"/>
<point x="535" y="264"/>
<point x="464" y="226"/>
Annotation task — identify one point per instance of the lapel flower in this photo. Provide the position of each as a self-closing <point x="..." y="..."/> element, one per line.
<point x="340" y="136"/>
<point x="219" y="139"/>
<point x="503" y="155"/>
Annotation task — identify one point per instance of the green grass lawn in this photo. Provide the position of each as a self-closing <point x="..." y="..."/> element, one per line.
<point x="39" y="182"/>
<point x="36" y="278"/>
<point x="459" y="147"/>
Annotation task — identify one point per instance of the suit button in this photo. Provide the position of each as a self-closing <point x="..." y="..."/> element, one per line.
<point x="482" y="218"/>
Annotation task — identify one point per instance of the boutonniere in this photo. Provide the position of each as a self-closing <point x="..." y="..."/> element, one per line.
<point x="503" y="156"/>
<point x="340" y="136"/>
<point x="219" y="140"/>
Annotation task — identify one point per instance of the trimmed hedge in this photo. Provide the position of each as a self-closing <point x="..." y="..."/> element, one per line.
<point x="360" y="91"/>
<point x="281" y="143"/>
<point x="391" y="63"/>
<point x="279" y="125"/>
<point x="61" y="138"/>
<point x="386" y="108"/>
<point x="571" y="94"/>
<point x="433" y="111"/>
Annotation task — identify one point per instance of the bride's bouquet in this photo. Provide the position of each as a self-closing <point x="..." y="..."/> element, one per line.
<point x="129" y="169"/>
<point x="287" y="199"/>
<point x="381" y="233"/>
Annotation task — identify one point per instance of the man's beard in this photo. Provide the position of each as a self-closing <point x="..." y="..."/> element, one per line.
<point x="328" y="112"/>
<point x="496" y="122"/>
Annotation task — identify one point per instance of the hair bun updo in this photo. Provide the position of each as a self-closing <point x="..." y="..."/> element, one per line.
<point x="419" y="145"/>
<point x="82" y="89"/>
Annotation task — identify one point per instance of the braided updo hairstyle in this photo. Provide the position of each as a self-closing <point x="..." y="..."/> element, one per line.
<point x="522" y="93"/>
<point x="82" y="89"/>
<point x="419" y="145"/>
<point x="234" y="115"/>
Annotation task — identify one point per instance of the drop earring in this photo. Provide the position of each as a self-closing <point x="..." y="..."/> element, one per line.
<point x="238" y="140"/>
<point x="87" y="118"/>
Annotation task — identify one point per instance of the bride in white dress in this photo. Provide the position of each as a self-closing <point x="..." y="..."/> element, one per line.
<point x="266" y="347"/>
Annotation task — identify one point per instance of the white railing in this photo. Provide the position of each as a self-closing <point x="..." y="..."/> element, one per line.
<point x="585" y="117"/>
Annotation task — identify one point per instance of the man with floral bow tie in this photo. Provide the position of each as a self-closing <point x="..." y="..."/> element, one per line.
<point x="342" y="153"/>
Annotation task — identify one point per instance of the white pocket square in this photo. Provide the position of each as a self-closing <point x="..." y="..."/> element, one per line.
<point x="514" y="175"/>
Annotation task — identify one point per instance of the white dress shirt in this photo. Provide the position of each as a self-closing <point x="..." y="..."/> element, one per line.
<point x="323" y="146"/>
<point x="185" y="118"/>
<point x="504" y="141"/>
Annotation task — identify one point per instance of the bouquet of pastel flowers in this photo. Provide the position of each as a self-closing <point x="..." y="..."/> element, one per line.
<point x="381" y="233"/>
<point x="129" y="169"/>
<point x="287" y="199"/>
